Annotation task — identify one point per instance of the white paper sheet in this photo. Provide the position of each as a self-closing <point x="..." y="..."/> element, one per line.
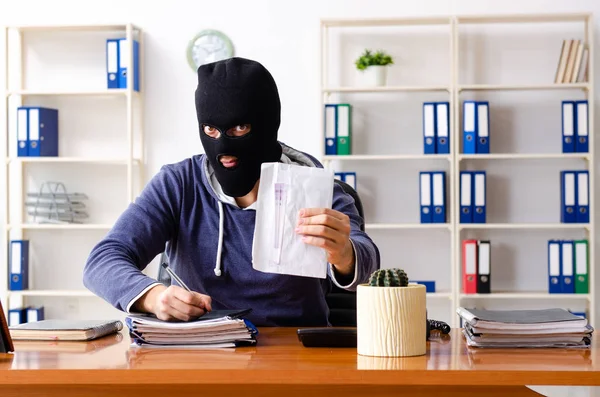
<point x="284" y="190"/>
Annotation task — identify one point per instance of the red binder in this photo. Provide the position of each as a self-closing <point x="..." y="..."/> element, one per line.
<point x="469" y="266"/>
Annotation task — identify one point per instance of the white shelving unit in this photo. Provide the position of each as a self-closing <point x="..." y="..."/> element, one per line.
<point x="131" y="164"/>
<point x="455" y="90"/>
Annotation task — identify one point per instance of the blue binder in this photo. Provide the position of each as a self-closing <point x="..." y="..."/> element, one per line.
<point x="429" y="128"/>
<point x="348" y="177"/>
<point x="16" y="317"/>
<point x="581" y="126"/>
<point x="124" y="67"/>
<point x="43" y="131"/>
<point x="567" y="280"/>
<point x="466" y="197"/>
<point x="442" y="131"/>
<point x="438" y="189"/>
<point x="425" y="197"/>
<point x="429" y="285"/>
<point x="330" y="129"/>
<point x="568" y="201"/>
<point x="112" y="63"/>
<point x="582" y="206"/>
<point x="568" y="126"/>
<point x="34" y="314"/>
<point x="483" y="127"/>
<point x="22" y="133"/>
<point x="469" y="127"/>
<point x="479" y="196"/>
<point x="18" y="271"/>
<point x="554" y="266"/>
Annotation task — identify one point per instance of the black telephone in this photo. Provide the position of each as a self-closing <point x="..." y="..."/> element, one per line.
<point x="346" y="336"/>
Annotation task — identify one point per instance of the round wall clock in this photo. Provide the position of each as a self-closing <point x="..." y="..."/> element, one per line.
<point x="208" y="46"/>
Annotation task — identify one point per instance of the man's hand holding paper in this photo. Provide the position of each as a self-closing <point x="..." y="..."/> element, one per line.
<point x="330" y="230"/>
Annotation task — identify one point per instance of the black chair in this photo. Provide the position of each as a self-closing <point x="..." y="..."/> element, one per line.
<point x="341" y="302"/>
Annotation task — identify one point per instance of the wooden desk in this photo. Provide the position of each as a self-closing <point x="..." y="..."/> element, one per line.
<point x="280" y="365"/>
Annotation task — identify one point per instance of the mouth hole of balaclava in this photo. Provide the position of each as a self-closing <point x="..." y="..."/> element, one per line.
<point x="228" y="162"/>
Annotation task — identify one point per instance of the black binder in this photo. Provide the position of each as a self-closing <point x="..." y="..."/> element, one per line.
<point x="484" y="268"/>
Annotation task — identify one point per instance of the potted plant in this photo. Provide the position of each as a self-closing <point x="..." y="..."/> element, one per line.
<point x="391" y="316"/>
<point x="374" y="65"/>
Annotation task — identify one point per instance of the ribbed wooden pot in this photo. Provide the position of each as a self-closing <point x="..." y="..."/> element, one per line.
<point x="391" y="321"/>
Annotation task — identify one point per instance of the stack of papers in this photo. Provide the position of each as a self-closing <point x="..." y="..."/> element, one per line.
<point x="525" y="328"/>
<point x="217" y="329"/>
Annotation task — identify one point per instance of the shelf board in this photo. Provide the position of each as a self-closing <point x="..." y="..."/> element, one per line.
<point x="431" y="88"/>
<point x="358" y="157"/>
<point x="74" y="293"/>
<point x="522" y="87"/>
<point x="90" y="160"/>
<point x="510" y="226"/>
<point x="102" y="92"/>
<point x="524" y="295"/>
<point x="81" y="28"/>
<point x="521" y="18"/>
<point x="399" y="226"/>
<point x="51" y="226"/>
<point x="524" y="156"/>
<point x="350" y="22"/>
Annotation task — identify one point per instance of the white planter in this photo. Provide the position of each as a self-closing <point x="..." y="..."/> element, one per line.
<point x="391" y="321"/>
<point x="375" y="76"/>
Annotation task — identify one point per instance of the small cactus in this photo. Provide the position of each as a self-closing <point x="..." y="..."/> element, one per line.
<point x="388" y="278"/>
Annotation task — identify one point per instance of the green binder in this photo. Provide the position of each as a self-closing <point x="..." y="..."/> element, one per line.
<point x="581" y="266"/>
<point x="344" y="129"/>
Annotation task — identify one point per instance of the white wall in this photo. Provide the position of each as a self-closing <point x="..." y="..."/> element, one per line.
<point x="284" y="36"/>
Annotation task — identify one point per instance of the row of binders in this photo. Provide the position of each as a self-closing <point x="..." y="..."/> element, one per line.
<point x="477" y="266"/>
<point x="117" y="63"/>
<point x="575" y="197"/>
<point x="473" y="196"/>
<point x="568" y="267"/>
<point x="338" y="129"/>
<point x="37" y="131"/>
<point x="432" y="196"/>
<point x="24" y="315"/>
<point x="476" y="127"/>
<point x="348" y="177"/>
<point x="575" y="126"/>
<point x="436" y="128"/>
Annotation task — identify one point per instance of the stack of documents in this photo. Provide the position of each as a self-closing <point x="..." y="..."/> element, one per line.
<point x="216" y="329"/>
<point x="525" y="328"/>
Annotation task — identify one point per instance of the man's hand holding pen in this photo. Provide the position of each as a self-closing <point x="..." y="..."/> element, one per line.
<point x="174" y="302"/>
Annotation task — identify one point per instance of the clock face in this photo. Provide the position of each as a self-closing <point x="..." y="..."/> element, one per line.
<point x="208" y="46"/>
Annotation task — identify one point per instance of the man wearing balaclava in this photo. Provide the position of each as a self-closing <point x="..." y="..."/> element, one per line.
<point x="201" y="211"/>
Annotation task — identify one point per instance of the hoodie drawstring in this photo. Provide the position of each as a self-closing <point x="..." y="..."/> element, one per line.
<point x="220" y="244"/>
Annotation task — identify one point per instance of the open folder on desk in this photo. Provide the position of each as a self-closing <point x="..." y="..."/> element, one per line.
<point x="216" y="329"/>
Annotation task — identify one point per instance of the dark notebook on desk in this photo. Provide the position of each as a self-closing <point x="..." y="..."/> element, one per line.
<point x="68" y="330"/>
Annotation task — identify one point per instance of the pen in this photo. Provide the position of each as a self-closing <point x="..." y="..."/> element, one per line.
<point x="175" y="277"/>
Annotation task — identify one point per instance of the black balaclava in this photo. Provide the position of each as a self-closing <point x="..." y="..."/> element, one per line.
<point x="232" y="92"/>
